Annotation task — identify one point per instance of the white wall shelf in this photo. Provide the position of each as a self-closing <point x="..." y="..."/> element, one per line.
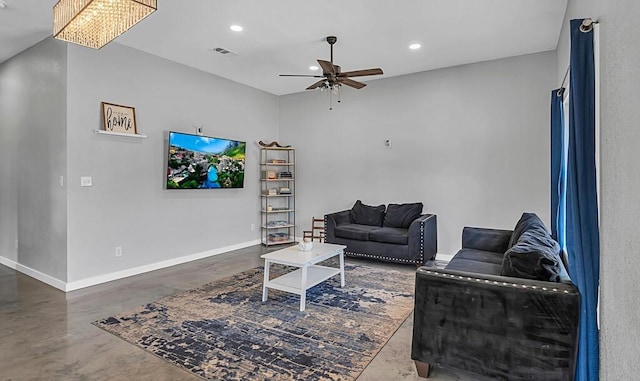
<point x="103" y="132"/>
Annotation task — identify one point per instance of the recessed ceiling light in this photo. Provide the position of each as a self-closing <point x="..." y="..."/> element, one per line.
<point x="415" y="46"/>
<point x="313" y="67"/>
<point x="236" y="28"/>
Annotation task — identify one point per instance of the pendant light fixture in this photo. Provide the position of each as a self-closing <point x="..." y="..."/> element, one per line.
<point x="95" y="23"/>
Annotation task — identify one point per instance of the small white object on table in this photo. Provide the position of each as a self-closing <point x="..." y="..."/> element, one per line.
<point x="308" y="273"/>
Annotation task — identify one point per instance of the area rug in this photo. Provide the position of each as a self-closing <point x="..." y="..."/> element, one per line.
<point x="223" y="330"/>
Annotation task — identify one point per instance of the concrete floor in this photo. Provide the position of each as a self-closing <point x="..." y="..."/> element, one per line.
<point x="46" y="334"/>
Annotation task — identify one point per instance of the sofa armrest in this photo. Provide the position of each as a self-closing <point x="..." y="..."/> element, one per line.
<point x="495" y="240"/>
<point x="423" y="237"/>
<point x="494" y="326"/>
<point x="332" y="220"/>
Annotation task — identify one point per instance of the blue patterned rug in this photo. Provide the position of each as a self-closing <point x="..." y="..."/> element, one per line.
<point x="223" y="331"/>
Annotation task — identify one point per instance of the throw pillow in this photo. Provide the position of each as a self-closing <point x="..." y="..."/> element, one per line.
<point x="527" y="221"/>
<point x="402" y="215"/>
<point x="535" y="256"/>
<point x="366" y="214"/>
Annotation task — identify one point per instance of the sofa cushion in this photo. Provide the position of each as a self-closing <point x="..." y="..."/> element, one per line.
<point x="527" y="221"/>
<point x="354" y="231"/>
<point x="534" y="256"/>
<point x="480" y="256"/>
<point x="390" y="235"/>
<point x="402" y="215"/>
<point x="366" y="214"/>
<point x="460" y="263"/>
<point x="496" y="240"/>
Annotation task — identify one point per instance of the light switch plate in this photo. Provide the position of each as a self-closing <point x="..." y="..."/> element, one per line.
<point x="86" y="181"/>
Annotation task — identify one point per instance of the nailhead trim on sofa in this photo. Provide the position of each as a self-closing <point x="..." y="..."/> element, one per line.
<point x="495" y="282"/>
<point x="390" y="259"/>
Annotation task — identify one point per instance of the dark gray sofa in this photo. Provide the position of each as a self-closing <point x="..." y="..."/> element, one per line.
<point x="504" y="308"/>
<point x="398" y="233"/>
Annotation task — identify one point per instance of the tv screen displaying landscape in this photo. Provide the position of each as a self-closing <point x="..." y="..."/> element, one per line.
<point x="202" y="162"/>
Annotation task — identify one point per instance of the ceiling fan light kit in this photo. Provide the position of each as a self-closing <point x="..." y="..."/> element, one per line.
<point x="333" y="77"/>
<point x="95" y="23"/>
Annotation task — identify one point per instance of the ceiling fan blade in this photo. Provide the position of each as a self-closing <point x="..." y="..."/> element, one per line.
<point x="327" y="67"/>
<point x="361" y="73"/>
<point x="315" y="85"/>
<point x="301" y="75"/>
<point x="352" y="83"/>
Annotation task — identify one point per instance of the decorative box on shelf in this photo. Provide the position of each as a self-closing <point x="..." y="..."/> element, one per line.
<point x="277" y="224"/>
<point x="278" y="237"/>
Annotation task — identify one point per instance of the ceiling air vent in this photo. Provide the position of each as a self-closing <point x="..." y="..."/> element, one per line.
<point x="224" y="52"/>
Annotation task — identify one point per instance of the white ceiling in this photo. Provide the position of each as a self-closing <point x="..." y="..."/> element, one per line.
<point x="287" y="36"/>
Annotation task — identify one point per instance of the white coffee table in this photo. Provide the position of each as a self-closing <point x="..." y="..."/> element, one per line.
<point x="308" y="273"/>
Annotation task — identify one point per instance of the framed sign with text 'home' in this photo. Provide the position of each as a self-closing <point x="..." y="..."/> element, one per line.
<point x="118" y="118"/>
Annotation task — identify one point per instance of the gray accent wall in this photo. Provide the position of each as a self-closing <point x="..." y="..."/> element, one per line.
<point x="620" y="179"/>
<point x="33" y="158"/>
<point x="470" y="142"/>
<point x="128" y="205"/>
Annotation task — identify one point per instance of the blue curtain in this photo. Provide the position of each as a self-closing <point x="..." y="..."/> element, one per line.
<point x="558" y="166"/>
<point x="583" y="242"/>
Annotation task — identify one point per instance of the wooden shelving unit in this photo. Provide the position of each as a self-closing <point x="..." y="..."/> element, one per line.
<point x="278" y="208"/>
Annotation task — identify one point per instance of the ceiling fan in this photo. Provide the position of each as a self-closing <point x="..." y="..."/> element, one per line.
<point x="333" y="77"/>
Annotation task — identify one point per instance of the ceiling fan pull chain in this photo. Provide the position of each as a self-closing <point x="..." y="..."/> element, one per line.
<point x="330" y="100"/>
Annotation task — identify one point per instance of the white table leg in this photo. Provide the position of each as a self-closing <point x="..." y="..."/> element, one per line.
<point x="303" y="288"/>
<point x="341" y="268"/>
<point x="265" y="291"/>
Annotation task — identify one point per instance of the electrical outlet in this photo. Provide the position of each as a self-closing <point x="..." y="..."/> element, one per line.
<point x="253" y="227"/>
<point x="118" y="251"/>
<point x="86" y="181"/>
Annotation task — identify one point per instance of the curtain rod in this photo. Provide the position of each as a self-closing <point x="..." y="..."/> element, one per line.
<point x="561" y="89"/>
<point x="586" y="27"/>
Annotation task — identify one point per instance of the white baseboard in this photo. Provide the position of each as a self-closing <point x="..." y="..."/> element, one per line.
<point x="7" y="262"/>
<point x="42" y="277"/>
<point x="104" y="278"/>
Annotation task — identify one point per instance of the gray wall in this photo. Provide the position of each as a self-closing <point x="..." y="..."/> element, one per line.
<point x="33" y="157"/>
<point x="471" y="142"/>
<point x="128" y="205"/>
<point x="620" y="179"/>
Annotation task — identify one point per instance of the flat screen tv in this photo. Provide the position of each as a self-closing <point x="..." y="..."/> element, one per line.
<point x="202" y="162"/>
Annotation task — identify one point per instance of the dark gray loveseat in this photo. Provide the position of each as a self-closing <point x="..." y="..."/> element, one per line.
<point x="397" y="233"/>
<point x="504" y="308"/>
